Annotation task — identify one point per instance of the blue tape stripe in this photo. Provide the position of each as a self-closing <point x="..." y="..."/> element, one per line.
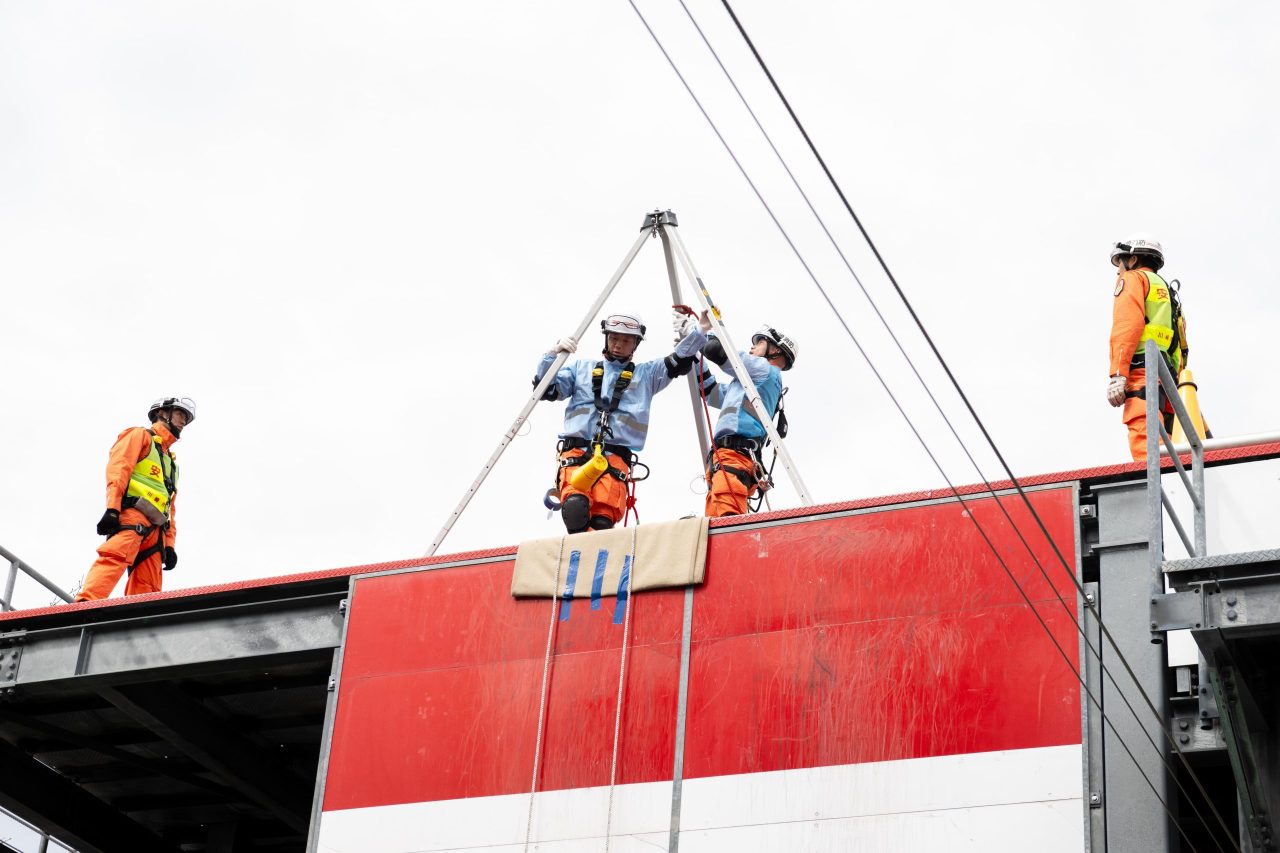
<point x="597" y="582"/>
<point x="574" y="558"/>
<point x="624" y="586"/>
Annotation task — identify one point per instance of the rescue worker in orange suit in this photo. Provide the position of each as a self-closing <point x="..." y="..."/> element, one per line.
<point x="608" y="414"/>
<point x="1146" y="308"/>
<point x="142" y="485"/>
<point x="735" y="472"/>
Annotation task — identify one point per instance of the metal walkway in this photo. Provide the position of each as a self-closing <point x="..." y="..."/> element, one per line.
<point x="184" y="723"/>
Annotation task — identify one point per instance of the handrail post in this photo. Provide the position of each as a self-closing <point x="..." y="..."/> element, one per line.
<point x="6" y="603"/>
<point x="1159" y="378"/>
<point x="1199" y="506"/>
<point x="18" y="565"/>
<point x="1155" y="510"/>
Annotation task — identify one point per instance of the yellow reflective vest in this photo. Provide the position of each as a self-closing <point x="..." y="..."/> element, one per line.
<point x="155" y="477"/>
<point x="1162" y="325"/>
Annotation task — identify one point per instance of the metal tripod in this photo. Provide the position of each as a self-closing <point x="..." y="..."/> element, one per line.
<point x="657" y="224"/>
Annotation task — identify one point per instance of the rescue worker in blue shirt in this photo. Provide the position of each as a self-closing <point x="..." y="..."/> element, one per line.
<point x="606" y="420"/>
<point x="735" y="472"/>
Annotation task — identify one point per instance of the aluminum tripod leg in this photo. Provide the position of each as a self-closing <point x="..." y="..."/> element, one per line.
<point x="739" y="370"/>
<point x="547" y="378"/>
<point x="695" y="394"/>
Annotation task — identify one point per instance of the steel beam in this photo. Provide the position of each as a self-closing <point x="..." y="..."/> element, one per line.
<point x="151" y="766"/>
<point x="45" y="799"/>
<point x="1252" y="750"/>
<point x="1136" y="821"/>
<point x="211" y="742"/>
<point x="1091" y="729"/>
<point x="1231" y="603"/>
<point x="148" y="648"/>
<point x="1221" y="609"/>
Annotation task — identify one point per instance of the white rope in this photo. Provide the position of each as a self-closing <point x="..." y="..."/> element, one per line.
<point x="622" y="674"/>
<point x="542" y="697"/>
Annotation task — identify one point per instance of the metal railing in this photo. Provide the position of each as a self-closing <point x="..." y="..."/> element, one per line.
<point x="1160" y="383"/>
<point x="16" y="565"/>
<point x="42" y="838"/>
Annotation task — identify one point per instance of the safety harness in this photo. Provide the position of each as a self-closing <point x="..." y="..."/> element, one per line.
<point x="169" y="475"/>
<point x="752" y="448"/>
<point x="604" y="430"/>
<point x="1162" y="313"/>
<point x="1156" y="315"/>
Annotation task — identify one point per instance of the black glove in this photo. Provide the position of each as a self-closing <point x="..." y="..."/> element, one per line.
<point x="170" y="558"/>
<point x="109" y="524"/>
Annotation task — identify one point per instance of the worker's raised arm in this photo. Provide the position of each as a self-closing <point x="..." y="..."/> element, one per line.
<point x="680" y="362"/>
<point x="561" y="388"/>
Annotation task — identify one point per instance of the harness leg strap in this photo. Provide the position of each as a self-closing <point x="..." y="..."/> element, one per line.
<point x="747" y="478"/>
<point x="144" y="553"/>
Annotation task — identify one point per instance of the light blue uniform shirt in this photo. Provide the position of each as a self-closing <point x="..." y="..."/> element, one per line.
<point x="729" y="396"/>
<point x="630" y="422"/>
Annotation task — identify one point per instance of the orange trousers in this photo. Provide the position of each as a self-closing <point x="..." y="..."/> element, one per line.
<point x="726" y="494"/>
<point x="117" y="554"/>
<point x="609" y="494"/>
<point x="1134" y="415"/>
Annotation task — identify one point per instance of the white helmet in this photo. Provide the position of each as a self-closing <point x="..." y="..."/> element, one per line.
<point x="623" y="324"/>
<point x="790" y="349"/>
<point x="1139" y="244"/>
<point x="186" y="404"/>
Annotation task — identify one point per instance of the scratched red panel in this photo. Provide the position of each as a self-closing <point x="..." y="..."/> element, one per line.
<point x="465" y="615"/>
<point x="927" y="685"/>
<point x="471" y="731"/>
<point x="417" y="724"/>
<point x="829" y="641"/>
<point x="895" y="562"/>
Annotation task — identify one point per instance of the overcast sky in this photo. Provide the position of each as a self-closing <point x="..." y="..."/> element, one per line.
<point x="348" y="231"/>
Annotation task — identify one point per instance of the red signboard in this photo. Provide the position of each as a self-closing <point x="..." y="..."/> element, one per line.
<point x="822" y="640"/>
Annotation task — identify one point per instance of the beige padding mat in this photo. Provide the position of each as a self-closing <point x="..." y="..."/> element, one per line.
<point x="667" y="553"/>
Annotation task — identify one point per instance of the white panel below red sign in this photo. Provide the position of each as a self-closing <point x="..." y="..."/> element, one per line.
<point x="990" y="802"/>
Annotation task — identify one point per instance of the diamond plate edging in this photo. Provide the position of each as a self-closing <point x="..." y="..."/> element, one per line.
<point x="1218" y="561"/>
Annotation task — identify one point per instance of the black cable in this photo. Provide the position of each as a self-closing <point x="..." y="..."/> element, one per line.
<point x="968" y="405"/>
<point x="1097" y="654"/>
<point x="1062" y="652"/>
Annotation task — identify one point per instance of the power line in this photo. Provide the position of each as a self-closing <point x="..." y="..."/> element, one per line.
<point x="1097" y="654"/>
<point x="1062" y="652"/>
<point x="972" y="412"/>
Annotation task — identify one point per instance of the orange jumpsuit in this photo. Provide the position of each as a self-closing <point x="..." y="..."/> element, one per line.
<point x="119" y="551"/>
<point x="727" y="495"/>
<point x="608" y="495"/>
<point x="1128" y="319"/>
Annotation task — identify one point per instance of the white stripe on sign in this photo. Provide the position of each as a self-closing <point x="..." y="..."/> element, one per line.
<point x="992" y="802"/>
